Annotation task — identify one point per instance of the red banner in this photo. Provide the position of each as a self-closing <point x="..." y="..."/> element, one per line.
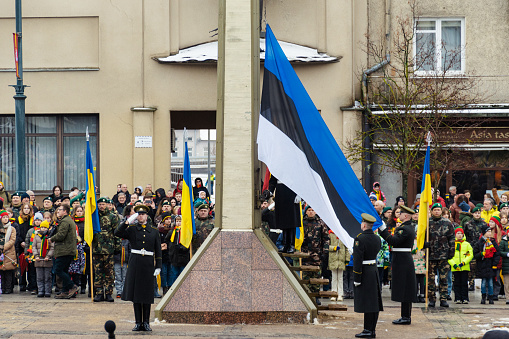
<point x="15" y="38"/>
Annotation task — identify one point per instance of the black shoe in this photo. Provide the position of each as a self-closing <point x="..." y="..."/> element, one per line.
<point x="402" y="321"/>
<point x="138" y="327"/>
<point x="146" y="327"/>
<point x="284" y="249"/>
<point x="421" y="299"/>
<point x="48" y="295"/>
<point x="449" y="297"/>
<point x="23" y="289"/>
<point x="98" y="298"/>
<point x="318" y="302"/>
<point x="471" y="288"/>
<point x="33" y="292"/>
<point x="157" y="295"/>
<point x="83" y="290"/>
<point x="366" y="334"/>
<point x="291" y="249"/>
<point x="431" y="303"/>
<point x="443" y="303"/>
<point x="495" y="297"/>
<point x="109" y="298"/>
<point x="40" y="295"/>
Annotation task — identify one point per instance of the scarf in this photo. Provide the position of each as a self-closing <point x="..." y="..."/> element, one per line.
<point x="177" y="231"/>
<point x="32" y="239"/>
<point x="458" y="245"/>
<point x="44" y="245"/>
<point x="22" y="220"/>
<point x="79" y="219"/>
<point x="488" y="250"/>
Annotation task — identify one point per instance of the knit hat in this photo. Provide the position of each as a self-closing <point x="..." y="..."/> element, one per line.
<point x="165" y="215"/>
<point x="485" y="229"/>
<point x="375" y="184"/>
<point x="372" y="196"/>
<point x="476" y="209"/>
<point x="459" y="229"/>
<point x="400" y="198"/>
<point x="38" y="216"/>
<point x="496" y="219"/>
<point x="44" y="224"/>
<point x="465" y="207"/>
<point x="436" y="205"/>
<point x="25" y="196"/>
<point x="3" y="212"/>
<point x="388" y="208"/>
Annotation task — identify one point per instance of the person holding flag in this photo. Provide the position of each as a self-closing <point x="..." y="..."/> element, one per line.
<point x="145" y="247"/>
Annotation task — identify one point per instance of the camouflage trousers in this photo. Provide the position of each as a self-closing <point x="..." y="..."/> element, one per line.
<point x="442" y="267"/>
<point x="104" y="273"/>
<point x="308" y="275"/>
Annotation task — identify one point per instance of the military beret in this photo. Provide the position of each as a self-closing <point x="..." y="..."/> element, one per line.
<point x="65" y="197"/>
<point x="16" y="194"/>
<point x="166" y="202"/>
<point x="110" y="201"/>
<point x="141" y="209"/>
<point x="48" y="198"/>
<point x="504" y="204"/>
<point x="368" y="218"/>
<point x="203" y="206"/>
<point x="436" y="205"/>
<point x="476" y="209"/>
<point x="74" y="199"/>
<point x="405" y="209"/>
<point x="479" y="205"/>
<point x="103" y="199"/>
<point x="416" y="210"/>
<point x="388" y="208"/>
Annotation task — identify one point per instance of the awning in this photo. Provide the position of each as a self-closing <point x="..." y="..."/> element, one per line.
<point x="207" y="53"/>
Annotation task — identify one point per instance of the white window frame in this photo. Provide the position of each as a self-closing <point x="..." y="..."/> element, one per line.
<point x="438" y="42"/>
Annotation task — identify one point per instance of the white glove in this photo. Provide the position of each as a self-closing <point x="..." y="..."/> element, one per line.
<point x="156" y="272"/>
<point x="297" y="199"/>
<point x="381" y="228"/>
<point x="356" y="284"/>
<point x="271" y="206"/>
<point x="132" y="218"/>
<point x="508" y="254"/>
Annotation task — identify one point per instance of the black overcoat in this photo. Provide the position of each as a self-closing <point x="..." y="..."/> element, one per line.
<point x="287" y="211"/>
<point x="367" y="296"/>
<point x="139" y="281"/>
<point x="404" y="286"/>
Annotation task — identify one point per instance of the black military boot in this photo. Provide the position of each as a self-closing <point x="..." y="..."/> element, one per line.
<point x="490" y="298"/>
<point x="109" y="298"/>
<point x="146" y="317"/>
<point x="483" y="298"/>
<point x="138" y="318"/>
<point x="98" y="297"/>
<point x="444" y="303"/>
<point x="431" y="303"/>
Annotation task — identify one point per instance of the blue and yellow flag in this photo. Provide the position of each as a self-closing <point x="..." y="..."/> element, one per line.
<point x="425" y="201"/>
<point x="186" y="209"/>
<point x="92" y="225"/>
<point x="299" y="232"/>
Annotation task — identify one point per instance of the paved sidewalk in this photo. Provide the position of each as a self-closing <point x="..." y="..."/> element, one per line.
<point x="28" y="317"/>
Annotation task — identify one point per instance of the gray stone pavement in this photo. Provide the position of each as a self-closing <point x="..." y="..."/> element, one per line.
<point x="24" y="316"/>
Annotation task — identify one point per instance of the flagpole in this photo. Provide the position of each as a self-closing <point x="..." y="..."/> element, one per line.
<point x="428" y="139"/>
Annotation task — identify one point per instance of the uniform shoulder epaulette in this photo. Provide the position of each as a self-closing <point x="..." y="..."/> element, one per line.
<point x="154" y="227"/>
<point x="358" y="235"/>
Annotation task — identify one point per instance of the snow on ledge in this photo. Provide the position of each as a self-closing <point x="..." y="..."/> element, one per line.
<point x="207" y="52"/>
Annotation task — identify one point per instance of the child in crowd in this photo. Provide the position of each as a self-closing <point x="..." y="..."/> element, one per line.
<point x="460" y="266"/>
<point x="202" y="199"/>
<point x="178" y="254"/>
<point x="338" y="255"/>
<point x="8" y="258"/>
<point x="42" y="250"/>
<point x="487" y="255"/>
<point x="29" y="239"/>
<point x="348" y="279"/>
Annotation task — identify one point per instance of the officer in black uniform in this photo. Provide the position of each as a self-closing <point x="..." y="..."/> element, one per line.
<point x="139" y="281"/>
<point x="404" y="287"/>
<point x="367" y="294"/>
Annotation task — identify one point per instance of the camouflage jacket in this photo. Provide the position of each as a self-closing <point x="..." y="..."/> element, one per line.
<point x="441" y="239"/>
<point x="203" y="229"/>
<point x="316" y="240"/>
<point x="473" y="229"/>
<point x="105" y="241"/>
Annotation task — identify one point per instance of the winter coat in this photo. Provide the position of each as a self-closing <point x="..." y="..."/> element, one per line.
<point x="23" y="228"/>
<point x="485" y="266"/>
<point x="6" y="196"/>
<point x="455" y="212"/>
<point x="441" y="239"/>
<point x="287" y="211"/>
<point x="316" y="240"/>
<point x="8" y="248"/>
<point x="198" y="189"/>
<point x="36" y="250"/>
<point x="340" y="257"/>
<point x="504" y="251"/>
<point x="65" y="238"/>
<point x="486" y="215"/>
<point x="177" y="253"/>
<point x="464" y="218"/>
<point x="463" y="254"/>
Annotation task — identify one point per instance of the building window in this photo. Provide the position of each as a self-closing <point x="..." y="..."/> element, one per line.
<point x="439" y="46"/>
<point x="55" y="150"/>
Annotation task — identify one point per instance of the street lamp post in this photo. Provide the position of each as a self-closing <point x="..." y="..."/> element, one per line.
<point x="19" y="100"/>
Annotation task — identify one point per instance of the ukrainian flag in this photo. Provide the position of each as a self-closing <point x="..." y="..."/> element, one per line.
<point x="425" y="201"/>
<point x="186" y="209"/>
<point x="92" y="225"/>
<point x="299" y="232"/>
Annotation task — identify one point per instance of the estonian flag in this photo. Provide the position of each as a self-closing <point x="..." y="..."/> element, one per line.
<point x="425" y="200"/>
<point x="297" y="146"/>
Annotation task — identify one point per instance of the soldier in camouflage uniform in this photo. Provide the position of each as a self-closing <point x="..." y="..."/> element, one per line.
<point x="204" y="224"/>
<point x="104" y="246"/>
<point x="441" y="249"/>
<point x="316" y="243"/>
<point x="472" y="233"/>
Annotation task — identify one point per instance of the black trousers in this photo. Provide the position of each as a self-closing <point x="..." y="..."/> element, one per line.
<point x="406" y="310"/>
<point x="7" y="280"/>
<point x="460" y="285"/>
<point x="421" y="285"/>
<point x="289" y="237"/>
<point x="370" y="320"/>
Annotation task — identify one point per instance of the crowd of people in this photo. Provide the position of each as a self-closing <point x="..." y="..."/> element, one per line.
<point x="43" y="248"/>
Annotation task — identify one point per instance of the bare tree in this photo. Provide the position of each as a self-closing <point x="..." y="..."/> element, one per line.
<point x="413" y="94"/>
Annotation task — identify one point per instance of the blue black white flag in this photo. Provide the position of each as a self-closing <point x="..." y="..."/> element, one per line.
<point x="297" y="146"/>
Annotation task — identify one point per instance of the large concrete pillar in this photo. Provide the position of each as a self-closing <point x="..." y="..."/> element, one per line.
<point x="237" y="276"/>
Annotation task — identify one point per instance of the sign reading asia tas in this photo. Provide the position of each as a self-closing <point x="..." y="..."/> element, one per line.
<point x="474" y="135"/>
